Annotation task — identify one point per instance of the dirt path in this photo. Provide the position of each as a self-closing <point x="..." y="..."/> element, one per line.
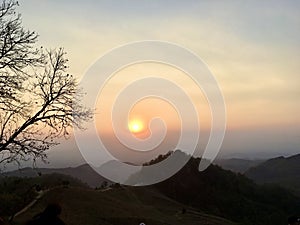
<point x="105" y="189"/>
<point x="40" y="195"/>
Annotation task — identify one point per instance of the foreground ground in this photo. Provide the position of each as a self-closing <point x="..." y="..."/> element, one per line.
<point x="121" y="206"/>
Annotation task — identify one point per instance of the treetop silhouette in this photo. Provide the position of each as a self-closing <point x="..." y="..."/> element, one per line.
<point x="39" y="100"/>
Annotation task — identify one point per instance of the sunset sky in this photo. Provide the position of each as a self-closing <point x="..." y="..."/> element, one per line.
<point x="251" y="47"/>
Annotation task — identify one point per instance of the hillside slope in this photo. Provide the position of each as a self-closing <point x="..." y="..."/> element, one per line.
<point x="17" y="192"/>
<point x="226" y="194"/>
<point x="120" y="206"/>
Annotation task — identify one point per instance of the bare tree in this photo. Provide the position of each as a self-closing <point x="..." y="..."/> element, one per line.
<point x="39" y="100"/>
<point x="17" y="51"/>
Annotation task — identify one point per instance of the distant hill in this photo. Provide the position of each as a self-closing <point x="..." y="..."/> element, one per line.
<point x="85" y="173"/>
<point x="224" y="193"/>
<point x="280" y="170"/>
<point x="118" y="170"/>
<point x="237" y="165"/>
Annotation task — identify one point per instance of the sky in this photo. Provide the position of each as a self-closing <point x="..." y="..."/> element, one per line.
<point x="251" y="47"/>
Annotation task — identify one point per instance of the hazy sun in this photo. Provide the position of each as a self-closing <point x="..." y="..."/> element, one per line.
<point x="136" y="126"/>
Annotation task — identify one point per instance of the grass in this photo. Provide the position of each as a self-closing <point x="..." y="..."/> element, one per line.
<point x="122" y="206"/>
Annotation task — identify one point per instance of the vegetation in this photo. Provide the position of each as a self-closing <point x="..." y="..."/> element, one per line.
<point x="158" y="159"/>
<point x="16" y="192"/>
<point x="126" y="206"/>
<point x="189" y="197"/>
<point x="229" y="195"/>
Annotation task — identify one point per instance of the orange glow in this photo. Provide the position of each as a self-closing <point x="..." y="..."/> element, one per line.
<point x="136" y="126"/>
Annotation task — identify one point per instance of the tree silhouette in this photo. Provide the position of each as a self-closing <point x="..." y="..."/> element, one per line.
<point x="39" y="100"/>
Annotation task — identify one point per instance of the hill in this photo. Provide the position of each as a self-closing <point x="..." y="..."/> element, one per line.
<point x="17" y="192"/>
<point x="85" y="173"/>
<point x="120" y="206"/>
<point x="226" y="194"/>
<point x="189" y="197"/>
<point x="284" y="171"/>
<point x="117" y="170"/>
<point x="237" y="165"/>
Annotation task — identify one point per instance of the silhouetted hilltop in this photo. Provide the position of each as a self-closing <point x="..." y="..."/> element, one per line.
<point x="280" y="170"/>
<point x="159" y="168"/>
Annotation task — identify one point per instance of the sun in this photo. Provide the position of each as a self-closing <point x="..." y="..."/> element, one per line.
<point x="135" y="126"/>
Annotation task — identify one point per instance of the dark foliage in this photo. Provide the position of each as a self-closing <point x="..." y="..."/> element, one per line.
<point x="16" y="192"/>
<point x="233" y="196"/>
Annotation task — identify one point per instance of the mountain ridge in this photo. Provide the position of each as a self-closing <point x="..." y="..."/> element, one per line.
<point x="83" y="172"/>
<point x="283" y="171"/>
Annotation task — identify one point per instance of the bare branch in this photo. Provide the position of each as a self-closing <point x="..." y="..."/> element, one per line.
<point x="39" y="100"/>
